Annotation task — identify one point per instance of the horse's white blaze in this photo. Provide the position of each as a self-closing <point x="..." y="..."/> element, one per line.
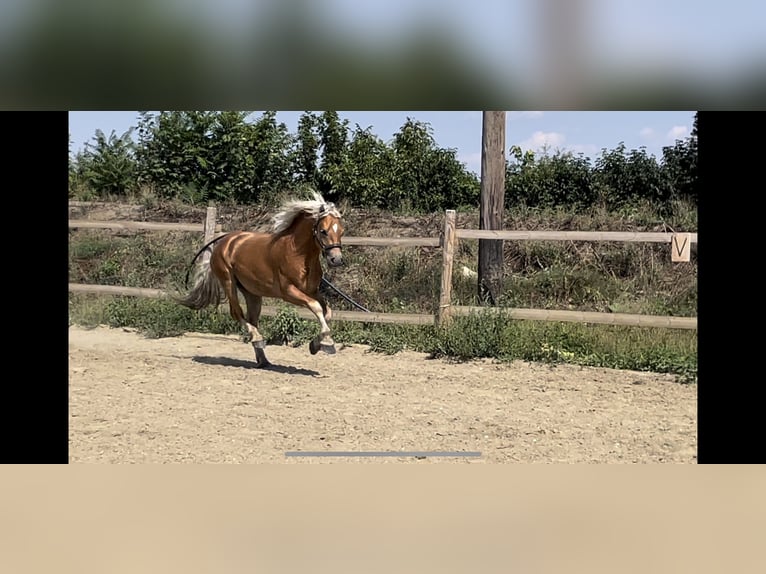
<point x="335" y="227"/>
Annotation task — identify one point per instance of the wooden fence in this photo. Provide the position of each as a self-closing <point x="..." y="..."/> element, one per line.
<point x="451" y="235"/>
<point x="448" y="242"/>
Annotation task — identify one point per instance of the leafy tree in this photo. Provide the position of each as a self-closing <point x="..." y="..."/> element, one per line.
<point x="270" y="145"/>
<point x="550" y="180"/>
<point x="623" y="178"/>
<point x="226" y="166"/>
<point x="173" y="153"/>
<point x="108" y="166"/>
<point x="72" y="169"/>
<point x="426" y="177"/>
<point x="307" y="149"/>
<point x="334" y="138"/>
<point x="411" y="146"/>
<point x="215" y="155"/>
<point x="223" y="156"/>
<point x="453" y="186"/>
<point x="364" y="177"/>
<point x="679" y="163"/>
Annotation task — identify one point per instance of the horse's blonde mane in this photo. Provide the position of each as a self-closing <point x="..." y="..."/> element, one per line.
<point x="316" y="208"/>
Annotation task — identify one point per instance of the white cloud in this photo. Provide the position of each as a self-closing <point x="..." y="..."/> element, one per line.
<point x="677" y="133"/>
<point x="555" y="142"/>
<point x="647" y="133"/>
<point x="541" y="139"/>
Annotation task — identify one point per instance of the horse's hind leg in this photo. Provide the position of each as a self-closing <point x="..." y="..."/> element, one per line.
<point x="254" y="303"/>
<point x="228" y="282"/>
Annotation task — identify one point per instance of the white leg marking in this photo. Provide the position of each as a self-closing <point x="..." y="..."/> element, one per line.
<point x="316" y="308"/>
<point x="256" y="336"/>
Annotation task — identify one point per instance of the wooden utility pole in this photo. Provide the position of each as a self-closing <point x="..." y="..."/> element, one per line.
<point x="491" y="204"/>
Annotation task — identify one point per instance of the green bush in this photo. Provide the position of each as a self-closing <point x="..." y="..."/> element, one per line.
<point x="561" y="179"/>
<point x="493" y="335"/>
<point x="288" y="328"/>
<point x="165" y="318"/>
<point x="623" y="179"/>
<point x="106" y="168"/>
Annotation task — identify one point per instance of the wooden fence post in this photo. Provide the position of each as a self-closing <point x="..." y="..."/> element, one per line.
<point x="448" y="251"/>
<point x="209" y="231"/>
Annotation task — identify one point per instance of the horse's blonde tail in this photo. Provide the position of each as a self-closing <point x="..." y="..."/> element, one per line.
<point x="206" y="291"/>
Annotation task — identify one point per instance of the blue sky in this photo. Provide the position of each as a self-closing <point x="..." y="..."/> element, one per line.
<point x="579" y="132"/>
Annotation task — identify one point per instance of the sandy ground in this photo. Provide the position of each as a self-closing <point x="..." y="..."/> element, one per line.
<point x="198" y="399"/>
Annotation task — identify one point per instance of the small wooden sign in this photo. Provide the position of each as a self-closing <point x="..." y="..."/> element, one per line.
<point x="680" y="247"/>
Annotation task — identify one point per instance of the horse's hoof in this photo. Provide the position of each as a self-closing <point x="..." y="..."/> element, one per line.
<point x="259" y="344"/>
<point x="329" y="349"/>
<point x="313" y="347"/>
<point x="263" y="365"/>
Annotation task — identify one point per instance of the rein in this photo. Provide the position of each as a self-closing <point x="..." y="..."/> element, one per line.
<point x="325" y="249"/>
<point x="346" y="297"/>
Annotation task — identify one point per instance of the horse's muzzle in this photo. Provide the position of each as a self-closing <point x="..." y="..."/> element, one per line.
<point x="334" y="257"/>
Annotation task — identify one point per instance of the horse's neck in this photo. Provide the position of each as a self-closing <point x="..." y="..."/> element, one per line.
<point x="302" y="237"/>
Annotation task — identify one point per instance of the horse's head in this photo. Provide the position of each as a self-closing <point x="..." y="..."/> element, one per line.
<point x="328" y="231"/>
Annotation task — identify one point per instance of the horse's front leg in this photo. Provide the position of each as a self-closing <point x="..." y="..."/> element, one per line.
<point x="324" y="341"/>
<point x="325" y="308"/>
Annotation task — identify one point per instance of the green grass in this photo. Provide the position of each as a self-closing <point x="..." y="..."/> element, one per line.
<point x="641" y="349"/>
<point x="483" y="335"/>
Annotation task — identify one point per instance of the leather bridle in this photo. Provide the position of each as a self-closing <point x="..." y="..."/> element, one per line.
<point x="325" y="248"/>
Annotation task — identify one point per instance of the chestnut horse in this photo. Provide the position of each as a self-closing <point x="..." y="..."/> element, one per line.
<point x="283" y="264"/>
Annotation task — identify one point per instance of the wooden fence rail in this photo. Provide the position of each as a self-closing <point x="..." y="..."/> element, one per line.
<point x="622" y="236"/>
<point x="448" y="242"/>
<point x="203" y="227"/>
<point x="133" y="225"/>
<point x="451" y="236"/>
<point x="630" y="319"/>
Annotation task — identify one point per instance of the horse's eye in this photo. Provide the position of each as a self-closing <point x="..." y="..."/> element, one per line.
<point x="324" y="232"/>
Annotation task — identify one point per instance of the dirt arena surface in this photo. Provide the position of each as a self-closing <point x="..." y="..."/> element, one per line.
<point x="197" y="399"/>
